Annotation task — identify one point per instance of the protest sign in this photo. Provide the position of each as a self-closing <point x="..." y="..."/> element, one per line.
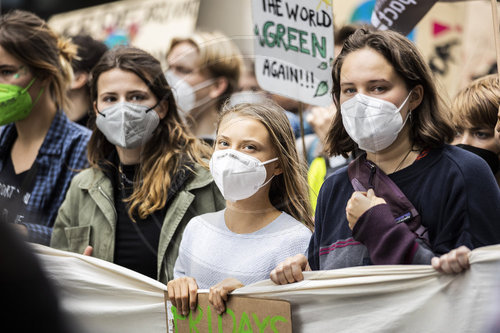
<point x="243" y="314"/>
<point x="294" y="48"/>
<point x="399" y="15"/>
<point x="149" y="25"/>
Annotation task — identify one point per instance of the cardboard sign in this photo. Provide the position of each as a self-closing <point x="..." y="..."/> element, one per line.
<point x="294" y="48"/>
<point x="243" y="314"/>
<point x="149" y="25"/>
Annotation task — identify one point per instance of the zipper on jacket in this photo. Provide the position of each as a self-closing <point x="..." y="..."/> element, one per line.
<point x="373" y="169"/>
<point x="109" y="199"/>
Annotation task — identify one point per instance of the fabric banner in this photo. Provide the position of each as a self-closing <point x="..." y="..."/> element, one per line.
<point x="104" y="297"/>
<point x="399" y="15"/>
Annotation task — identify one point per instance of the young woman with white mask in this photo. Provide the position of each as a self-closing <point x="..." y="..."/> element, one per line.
<point x="390" y="108"/>
<point x="267" y="215"/>
<point x="148" y="176"/>
<point x="203" y="70"/>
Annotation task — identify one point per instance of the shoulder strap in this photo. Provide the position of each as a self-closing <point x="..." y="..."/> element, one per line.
<point x="364" y="175"/>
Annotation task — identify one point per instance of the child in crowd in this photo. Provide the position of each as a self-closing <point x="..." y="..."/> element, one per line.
<point x="267" y="215"/>
<point x="475" y="111"/>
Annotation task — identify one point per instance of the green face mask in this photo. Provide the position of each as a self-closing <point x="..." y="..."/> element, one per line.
<point x="15" y="102"/>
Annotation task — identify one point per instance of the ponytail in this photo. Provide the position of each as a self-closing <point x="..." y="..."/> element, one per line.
<point x="67" y="52"/>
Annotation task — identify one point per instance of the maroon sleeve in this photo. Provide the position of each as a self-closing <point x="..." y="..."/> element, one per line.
<point x="388" y="242"/>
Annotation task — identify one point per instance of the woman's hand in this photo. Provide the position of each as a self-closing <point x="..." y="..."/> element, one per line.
<point x="320" y="119"/>
<point x="88" y="251"/>
<point x="290" y="270"/>
<point x="183" y="294"/>
<point x="218" y="293"/>
<point x="455" y="261"/>
<point x="359" y="203"/>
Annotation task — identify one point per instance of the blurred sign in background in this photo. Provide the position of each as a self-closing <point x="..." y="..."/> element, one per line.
<point x="456" y="38"/>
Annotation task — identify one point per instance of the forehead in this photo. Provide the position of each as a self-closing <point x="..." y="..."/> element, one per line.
<point x="117" y="80"/>
<point x="238" y="127"/>
<point x="8" y="59"/>
<point x="183" y="53"/>
<point x="366" y="64"/>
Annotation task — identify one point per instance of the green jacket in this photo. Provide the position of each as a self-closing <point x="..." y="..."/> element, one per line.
<point x="88" y="216"/>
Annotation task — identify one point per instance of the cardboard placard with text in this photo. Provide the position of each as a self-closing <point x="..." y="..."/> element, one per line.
<point x="294" y="48"/>
<point x="243" y="314"/>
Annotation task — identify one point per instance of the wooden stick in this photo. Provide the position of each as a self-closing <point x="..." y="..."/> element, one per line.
<point x="496" y="28"/>
<point x="301" y="117"/>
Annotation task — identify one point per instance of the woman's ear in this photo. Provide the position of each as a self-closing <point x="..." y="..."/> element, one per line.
<point x="278" y="170"/>
<point x="162" y="109"/>
<point x="218" y="87"/>
<point x="80" y="79"/>
<point x="95" y="107"/>
<point x="416" y="97"/>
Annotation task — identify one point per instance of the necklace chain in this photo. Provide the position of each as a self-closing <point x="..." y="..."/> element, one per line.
<point x="404" y="158"/>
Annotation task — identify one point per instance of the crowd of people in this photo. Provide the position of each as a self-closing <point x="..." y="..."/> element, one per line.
<point x="196" y="177"/>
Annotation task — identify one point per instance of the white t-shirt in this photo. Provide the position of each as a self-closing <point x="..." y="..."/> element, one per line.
<point x="210" y="252"/>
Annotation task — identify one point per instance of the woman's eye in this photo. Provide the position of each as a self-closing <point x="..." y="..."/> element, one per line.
<point x="223" y="143"/>
<point x="483" y="135"/>
<point x="379" y="89"/>
<point x="7" y="72"/>
<point x="249" y="147"/>
<point x="137" y="98"/>
<point x="349" y="91"/>
<point x="108" y="99"/>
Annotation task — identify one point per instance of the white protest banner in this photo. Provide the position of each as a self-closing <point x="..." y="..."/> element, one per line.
<point x="105" y="297"/>
<point x="294" y="48"/>
<point x="146" y="24"/>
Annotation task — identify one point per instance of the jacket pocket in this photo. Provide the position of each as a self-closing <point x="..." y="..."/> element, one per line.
<point x="78" y="238"/>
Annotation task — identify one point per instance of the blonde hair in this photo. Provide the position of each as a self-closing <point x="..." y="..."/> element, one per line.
<point x="289" y="189"/>
<point x="478" y="103"/>
<point x="170" y="149"/>
<point x="219" y="57"/>
<point x="29" y="39"/>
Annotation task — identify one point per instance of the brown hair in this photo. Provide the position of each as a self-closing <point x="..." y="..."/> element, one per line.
<point x="478" y="103"/>
<point x="219" y="57"/>
<point x="171" y="144"/>
<point x="429" y="126"/>
<point x="28" y="38"/>
<point x="289" y="189"/>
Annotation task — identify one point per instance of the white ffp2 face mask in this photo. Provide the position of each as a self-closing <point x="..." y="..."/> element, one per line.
<point x="128" y="125"/>
<point x="373" y="123"/>
<point x="237" y="175"/>
<point x="185" y="94"/>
